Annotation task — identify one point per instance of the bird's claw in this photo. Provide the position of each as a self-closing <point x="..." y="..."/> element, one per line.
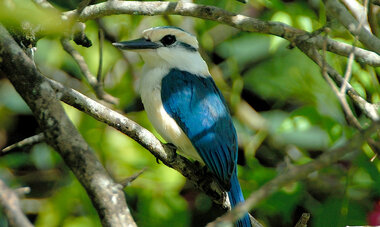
<point x="171" y="146"/>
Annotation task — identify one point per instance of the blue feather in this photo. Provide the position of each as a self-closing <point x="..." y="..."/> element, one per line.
<point x="198" y="107"/>
<point x="236" y="196"/>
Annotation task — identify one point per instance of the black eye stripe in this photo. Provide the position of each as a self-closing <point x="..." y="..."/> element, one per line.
<point x="168" y="40"/>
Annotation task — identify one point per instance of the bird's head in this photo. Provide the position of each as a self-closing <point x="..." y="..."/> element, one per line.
<point x="167" y="46"/>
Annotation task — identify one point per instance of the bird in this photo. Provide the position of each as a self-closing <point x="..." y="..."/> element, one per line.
<point x="185" y="106"/>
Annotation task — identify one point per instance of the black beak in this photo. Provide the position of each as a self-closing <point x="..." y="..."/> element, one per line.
<point x="137" y="44"/>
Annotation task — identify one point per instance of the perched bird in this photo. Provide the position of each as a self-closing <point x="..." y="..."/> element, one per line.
<point x="185" y="106"/>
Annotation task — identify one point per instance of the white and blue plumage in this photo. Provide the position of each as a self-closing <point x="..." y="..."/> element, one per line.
<point x="185" y="106"/>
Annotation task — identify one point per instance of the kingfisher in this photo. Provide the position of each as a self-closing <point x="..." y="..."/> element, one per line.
<point x="185" y="106"/>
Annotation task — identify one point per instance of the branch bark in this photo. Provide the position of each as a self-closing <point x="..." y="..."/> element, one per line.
<point x="166" y="154"/>
<point x="305" y="41"/>
<point x="96" y="84"/>
<point x="106" y="196"/>
<point x="195" y="173"/>
<point x="205" y="181"/>
<point x="336" y="9"/>
<point x="239" y="21"/>
<point x="25" y="142"/>
<point x="369" y="109"/>
<point x="10" y="204"/>
<point x="297" y="173"/>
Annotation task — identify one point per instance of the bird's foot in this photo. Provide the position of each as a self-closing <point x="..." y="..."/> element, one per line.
<point x="171" y="146"/>
<point x="205" y="170"/>
<point x="198" y="164"/>
<point x="172" y="151"/>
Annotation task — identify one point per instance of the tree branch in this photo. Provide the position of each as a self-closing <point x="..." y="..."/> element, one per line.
<point x="239" y="21"/>
<point x="369" y="109"/>
<point x="205" y="181"/>
<point x="10" y="204"/>
<point x="358" y="11"/>
<point x="126" y="182"/>
<point x="164" y="153"/>
<point x="211" y="13"/>
<point x="336" y="9"/>
<point x="106" y="196"/>
<point x="302" y="39"/>
<point x="195" y="173"/>
<point x="94" y="83"/>
<point x="297" y="173"/>
<point x="25" y="142"/>
<point x="341" y="95"/>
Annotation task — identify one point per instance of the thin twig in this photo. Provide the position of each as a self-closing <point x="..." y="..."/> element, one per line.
<point x="21" y="192"/>
<point x="348" y="73"/>
<point x="126" y="182"/>
<point x="369" y="109"/>
<point x="338" y="10"/>
<point x="98" y="88"/>
<point x="10" y="204"/>
<point x="79" y="60"/>
<point x="146" y="139"/>
<point x="303" y="220"/>
<point x="77" y="28"/>
<point x="108" y="35"/>
<point x="301" y="38"/>
<point x="101" y="41"/>
<point x="351" y="119"/>
<point x="239" y="21"/>
<point x="341" y="94"/>
<point x="25" y="142"/>
<point x="297" y="173"/>
<point x="205" y="181"/>
<point x="165" y="154"/>
<point x="351" y="56"/>
<point x="357" y="10"/>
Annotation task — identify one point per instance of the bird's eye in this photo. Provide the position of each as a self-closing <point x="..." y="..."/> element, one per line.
<point x="168" y="40"/>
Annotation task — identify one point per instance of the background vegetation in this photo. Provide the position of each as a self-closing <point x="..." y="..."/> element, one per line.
<point x="298" y="118"/>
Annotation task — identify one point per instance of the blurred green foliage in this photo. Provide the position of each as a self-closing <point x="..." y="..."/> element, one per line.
<point x="302" y="117"/>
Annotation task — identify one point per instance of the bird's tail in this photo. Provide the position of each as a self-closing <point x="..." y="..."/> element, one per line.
<point x="235" y="196"/>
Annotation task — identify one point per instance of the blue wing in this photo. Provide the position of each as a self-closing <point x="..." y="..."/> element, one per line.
<point x="198" y="107"/>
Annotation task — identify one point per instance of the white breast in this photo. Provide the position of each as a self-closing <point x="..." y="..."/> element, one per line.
<point x="150" y="91"/>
